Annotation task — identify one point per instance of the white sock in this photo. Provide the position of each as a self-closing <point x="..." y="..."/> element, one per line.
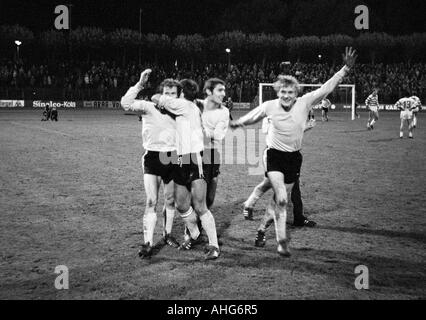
<point x="372" y="122"/>
<point x="401" y="134"/>
<point x="414" y="121"/>
<point x="149" y="221"/>
<point x="190" y="220"/>
<point x="280" y="219"/>
<point x="208" y="223"/>
<point x="170" y="215"/>
<point x="254" y="197"/>
<point x="268" y="217"/>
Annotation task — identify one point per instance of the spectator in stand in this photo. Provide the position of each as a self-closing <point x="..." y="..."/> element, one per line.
<point x="242" y="79"/>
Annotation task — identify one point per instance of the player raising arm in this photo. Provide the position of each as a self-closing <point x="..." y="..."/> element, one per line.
<point x="158" y="135"/>
<point x="288" y="116"/>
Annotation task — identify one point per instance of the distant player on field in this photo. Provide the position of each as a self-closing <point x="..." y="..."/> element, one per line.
<point x="406" y="105"/>
<point x="416" y="110"/>
<point x="311" y="117"/>
<point x="54" y="113"/>
<point x="283" y="158"/>
<point x="230" y="105"/>
<point x="325" y="105"/>
<point x="159" y="142"/>
<point x="46" y="113"/>
<point x="372" y="104"/>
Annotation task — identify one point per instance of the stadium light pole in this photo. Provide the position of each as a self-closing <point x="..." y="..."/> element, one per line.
<point x="18" y="43"/>
<point x="228" y="52"/>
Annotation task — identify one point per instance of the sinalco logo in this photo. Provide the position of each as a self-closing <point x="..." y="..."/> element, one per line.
<point x="51" y="104"/>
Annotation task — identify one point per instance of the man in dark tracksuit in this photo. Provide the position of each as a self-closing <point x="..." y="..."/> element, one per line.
<point x="46" y="113"/>
<point x="54" y="114"/>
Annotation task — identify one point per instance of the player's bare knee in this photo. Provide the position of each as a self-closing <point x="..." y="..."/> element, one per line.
<point x="182" y="208"/>
<point x="200" y="207"/>
<point x="151" y="202"/>
<point x="281" y="201"/>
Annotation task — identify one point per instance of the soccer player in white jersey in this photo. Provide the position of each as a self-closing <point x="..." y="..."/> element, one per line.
<point x="215" y="118"/>
<point x="325" y="105"/>
<point x="416" y="110"/>
<point x="190" y="183"/>
<point x="372" y="103"/>
<point x="288" y="120"/>
<point x="406" y="105"/>
<point x="158" y="135"/>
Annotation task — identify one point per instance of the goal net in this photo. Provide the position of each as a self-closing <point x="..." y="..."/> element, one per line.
<point x="342" y="98"/>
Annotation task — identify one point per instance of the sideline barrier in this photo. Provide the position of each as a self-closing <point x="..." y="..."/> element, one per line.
<point x="12" y="103"/>
<point x="97" y="104"/>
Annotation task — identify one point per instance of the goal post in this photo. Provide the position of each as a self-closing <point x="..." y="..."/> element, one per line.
<point x="344" y="94"/>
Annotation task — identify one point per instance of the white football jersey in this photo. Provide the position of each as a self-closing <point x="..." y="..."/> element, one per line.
<point x="215" y="123"/>
<point x="158" y="130"/>
<point x="286" y="128"/>
<point x="190" y="136"/>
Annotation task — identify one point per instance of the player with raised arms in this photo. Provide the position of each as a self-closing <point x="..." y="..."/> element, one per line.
<point x="288" y="116"/>
<point x="159" y="141"/>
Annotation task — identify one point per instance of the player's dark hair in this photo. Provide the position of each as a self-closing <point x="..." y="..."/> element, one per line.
<point x="211" y="83"/>
<point x="189" y="89"/>
<point x="170" y="83"/>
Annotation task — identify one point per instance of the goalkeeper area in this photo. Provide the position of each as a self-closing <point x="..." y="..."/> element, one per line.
<point x="342" y="98"/>
<point x="72" y="194"/>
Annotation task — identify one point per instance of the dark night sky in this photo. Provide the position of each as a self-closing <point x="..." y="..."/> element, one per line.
<point x="202" y="16"/>
<point x="187" y="15"/>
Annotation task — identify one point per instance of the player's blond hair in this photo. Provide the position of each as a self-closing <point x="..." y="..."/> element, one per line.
<point x="285" y="81"/>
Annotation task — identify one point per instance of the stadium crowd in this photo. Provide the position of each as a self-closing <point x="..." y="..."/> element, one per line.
<point x="106" y="80"/>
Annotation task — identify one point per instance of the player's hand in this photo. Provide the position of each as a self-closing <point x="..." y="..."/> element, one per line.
<point x="144" y="77"/>
<point x="349" y="57"/>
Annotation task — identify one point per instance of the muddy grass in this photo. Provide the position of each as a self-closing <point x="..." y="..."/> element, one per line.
<point x="72" y="194"/>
